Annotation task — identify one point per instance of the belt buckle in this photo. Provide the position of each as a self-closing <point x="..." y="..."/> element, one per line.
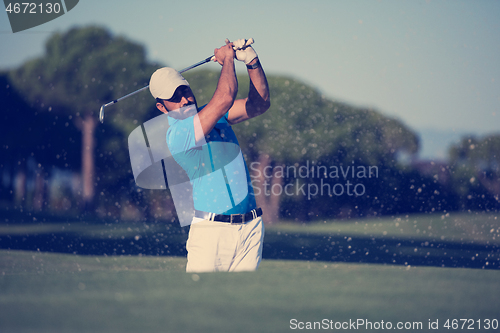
<point x="235" y="215"/>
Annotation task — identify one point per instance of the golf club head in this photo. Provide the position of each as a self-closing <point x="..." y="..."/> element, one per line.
<point x="101" y="114"/>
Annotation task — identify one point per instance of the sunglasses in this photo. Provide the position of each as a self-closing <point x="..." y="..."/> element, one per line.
<point x="182" y="91"/>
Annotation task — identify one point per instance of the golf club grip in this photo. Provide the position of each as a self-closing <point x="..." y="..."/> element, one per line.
<point x="247" y="43"/>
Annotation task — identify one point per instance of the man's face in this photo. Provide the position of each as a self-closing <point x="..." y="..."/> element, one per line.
<point x="183" y="96"/>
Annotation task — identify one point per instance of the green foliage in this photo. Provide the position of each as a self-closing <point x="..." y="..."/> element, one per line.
<point x="43" y="136"/>
<point x="483" y="152"/>
<point x="475" y="171"/>
<point x="83" y="69"/>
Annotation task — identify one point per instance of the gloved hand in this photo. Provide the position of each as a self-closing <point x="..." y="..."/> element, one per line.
<point x="244" y="52"/>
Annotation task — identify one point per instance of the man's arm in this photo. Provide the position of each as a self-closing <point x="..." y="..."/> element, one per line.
<point x="223" y="98"/>
<point x="258" y="100"/>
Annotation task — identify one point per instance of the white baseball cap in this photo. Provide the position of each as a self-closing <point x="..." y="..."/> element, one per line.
<point x="164" y="81"/>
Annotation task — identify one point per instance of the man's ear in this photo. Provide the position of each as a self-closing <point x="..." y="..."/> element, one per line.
<point x="161" y="107"/>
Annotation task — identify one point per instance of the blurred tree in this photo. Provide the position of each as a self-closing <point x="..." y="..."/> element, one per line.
<point x="81" y="70"/>
<point x="33" y="144"/>
<point x="15" y="143"/>
<point x="475" y="166"/>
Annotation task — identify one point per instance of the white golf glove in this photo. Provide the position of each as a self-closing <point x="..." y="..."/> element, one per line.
<point x="244" y="52"/>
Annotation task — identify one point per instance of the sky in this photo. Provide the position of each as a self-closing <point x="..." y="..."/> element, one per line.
<point x="434" y="65"/>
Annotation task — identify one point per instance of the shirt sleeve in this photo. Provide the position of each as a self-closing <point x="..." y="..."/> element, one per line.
<point x="181" y="137"/>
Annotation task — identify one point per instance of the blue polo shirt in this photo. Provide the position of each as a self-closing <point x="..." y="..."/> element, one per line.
<point x="216" y="168"/>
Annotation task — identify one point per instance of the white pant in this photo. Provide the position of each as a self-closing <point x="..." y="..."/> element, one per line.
<point x="218" y="246"/>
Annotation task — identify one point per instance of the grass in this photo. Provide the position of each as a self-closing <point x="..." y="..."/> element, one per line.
<point x="44" y="292"/>
<point x="477" y="227"/>
<point x="66" y="292"/>
<point x="467" y="240"/>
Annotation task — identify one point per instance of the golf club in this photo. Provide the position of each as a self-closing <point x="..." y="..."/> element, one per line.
<point x="101" y="111"/>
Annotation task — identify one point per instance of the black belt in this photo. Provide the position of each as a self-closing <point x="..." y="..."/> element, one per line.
<point x="233" y="218"/>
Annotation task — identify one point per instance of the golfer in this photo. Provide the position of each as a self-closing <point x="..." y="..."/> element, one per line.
<point x="227" y="230"/>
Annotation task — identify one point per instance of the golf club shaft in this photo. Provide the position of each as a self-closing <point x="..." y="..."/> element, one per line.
<point x="197" y="64"/>
<point x="101" y="112"/>
<point x="212" y="57"/>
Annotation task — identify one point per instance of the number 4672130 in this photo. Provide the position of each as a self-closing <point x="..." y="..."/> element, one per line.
<point x="33" y="8"/>
<point x="471" y="324"/>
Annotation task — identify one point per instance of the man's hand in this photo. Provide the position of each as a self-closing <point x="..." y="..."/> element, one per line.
<point x="224" y="52"/>
<point x="244" y="53"/>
